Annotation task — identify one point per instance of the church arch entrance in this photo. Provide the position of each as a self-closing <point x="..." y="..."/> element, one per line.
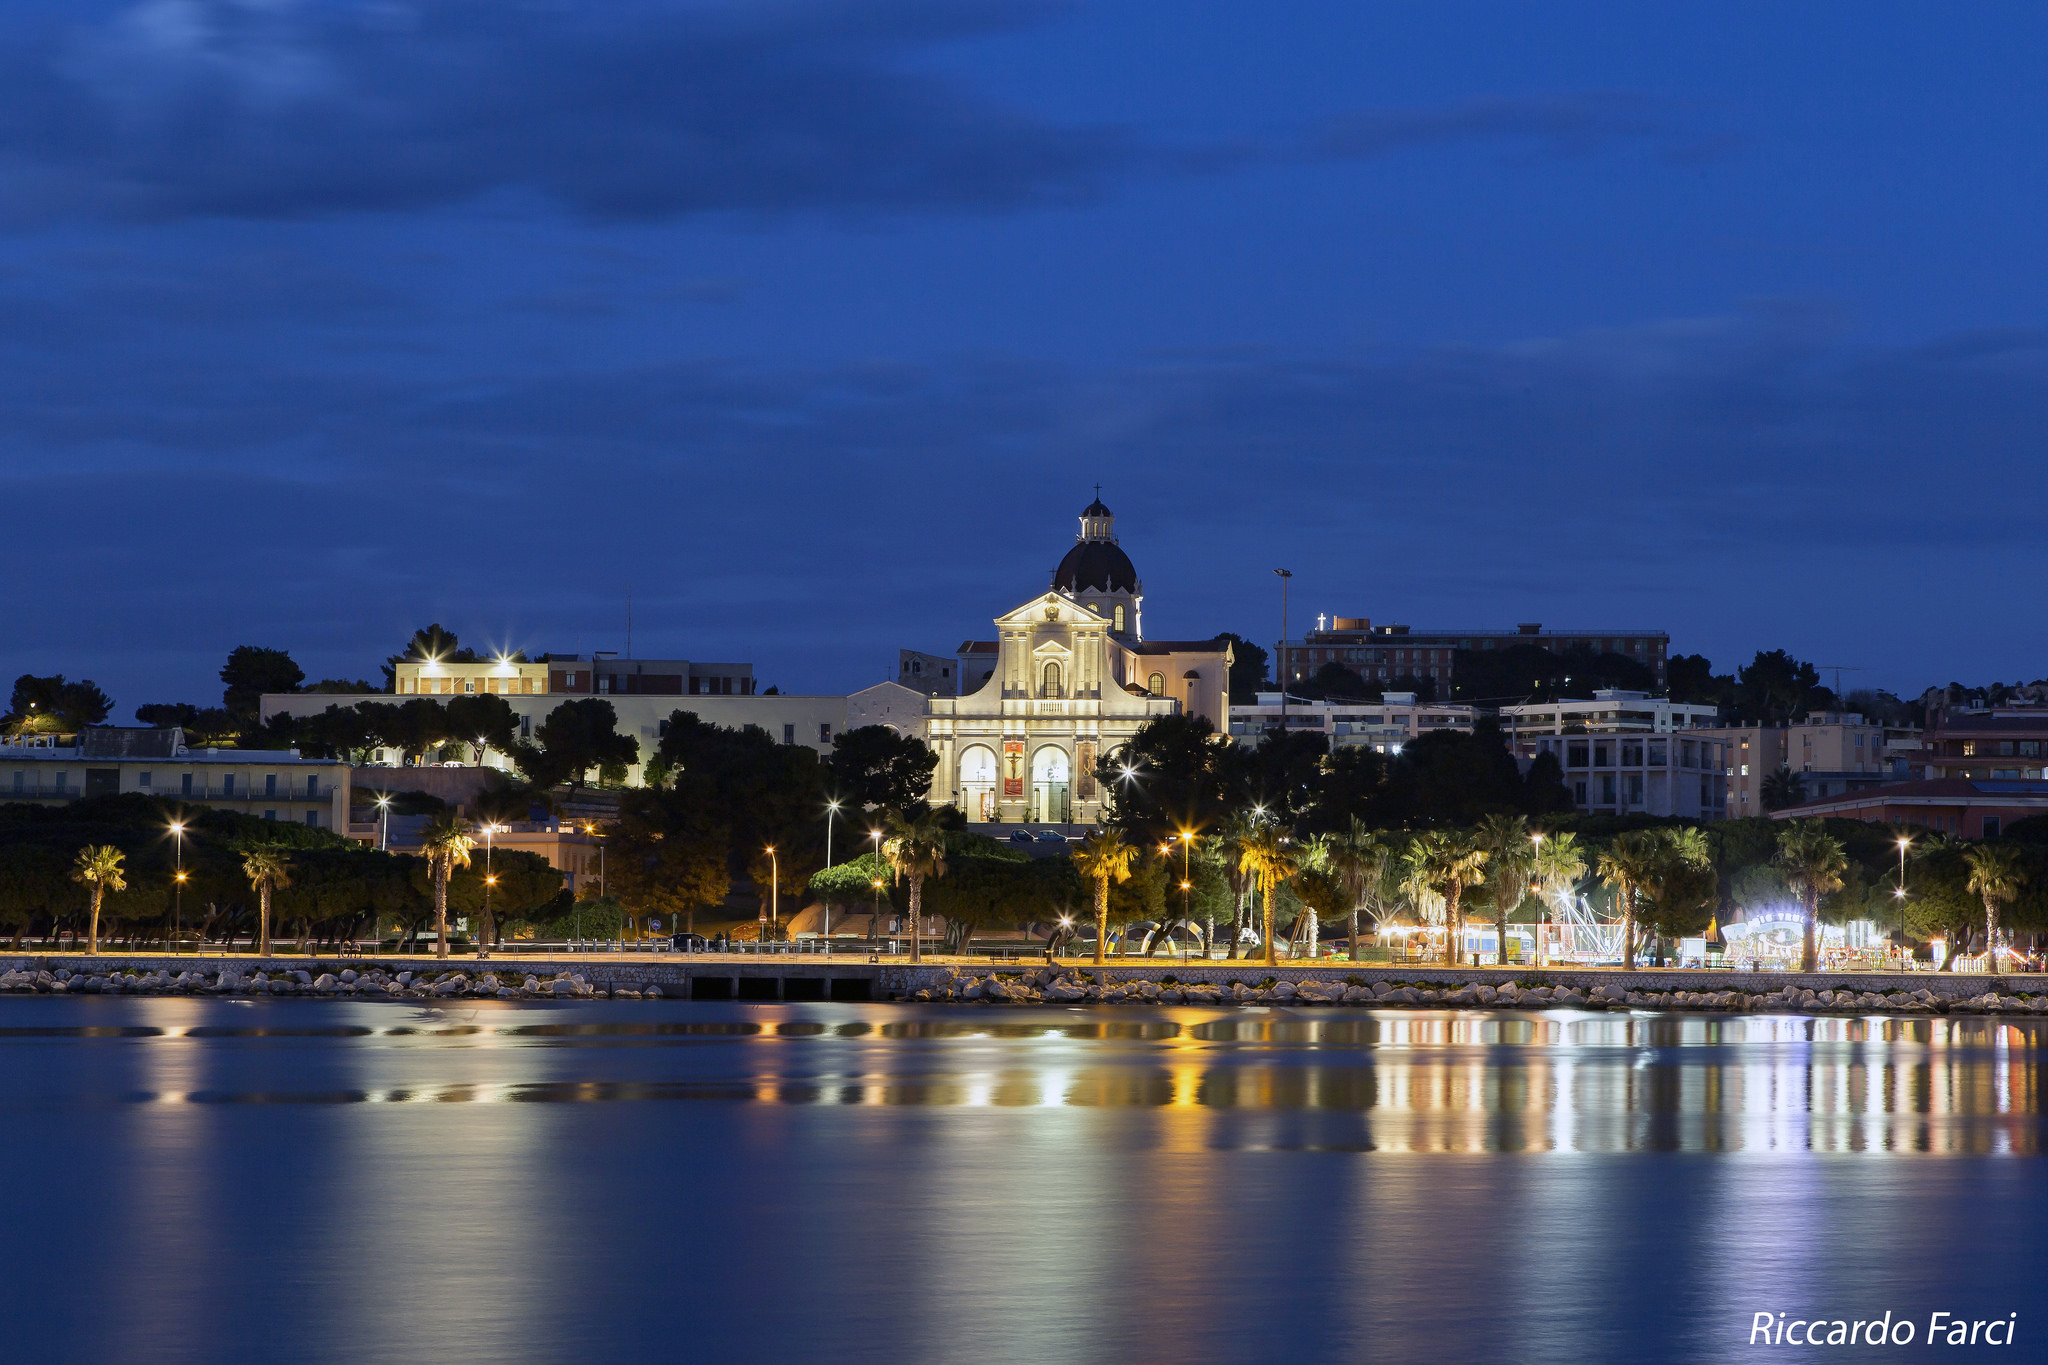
<point x="978" y="782"/>
<point x="1051" y="779"/>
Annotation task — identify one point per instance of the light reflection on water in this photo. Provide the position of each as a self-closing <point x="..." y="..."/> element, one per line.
<point x="805" y="1181"/>
<point x="1450" y="1082"/>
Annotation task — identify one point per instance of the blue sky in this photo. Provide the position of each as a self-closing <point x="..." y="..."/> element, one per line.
<point x="816" y="324"/>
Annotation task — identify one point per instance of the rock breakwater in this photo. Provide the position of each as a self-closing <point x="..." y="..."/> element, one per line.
<point x="373" y="983"/>
<point x="1069" y="985"/>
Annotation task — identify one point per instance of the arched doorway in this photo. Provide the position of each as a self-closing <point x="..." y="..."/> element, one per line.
<point x="978" y="783"/>
<point x="1050" y="785"/>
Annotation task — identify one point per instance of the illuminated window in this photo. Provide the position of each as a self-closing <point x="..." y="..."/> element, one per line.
<point x="1156" y="685"/>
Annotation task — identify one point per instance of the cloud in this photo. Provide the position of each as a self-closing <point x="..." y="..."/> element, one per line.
<point x="293" y="109"/>
<point x="179" y="108"/>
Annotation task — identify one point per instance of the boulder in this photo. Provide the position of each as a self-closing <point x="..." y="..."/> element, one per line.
<point x="563" y="986"/>
<point x="1286" y="990"/>
<point x="326" y="983"/>
<point x="652" y="992"/>
<point x="1567" y="997"/>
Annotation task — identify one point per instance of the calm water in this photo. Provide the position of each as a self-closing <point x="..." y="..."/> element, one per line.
<point x="310" y="1180"/>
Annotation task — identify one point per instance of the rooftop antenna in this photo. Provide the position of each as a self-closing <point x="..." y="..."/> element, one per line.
<point x="1839" y="670"/>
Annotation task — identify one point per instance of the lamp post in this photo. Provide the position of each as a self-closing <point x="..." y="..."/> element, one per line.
<point x="1543" y="915"/>
<point x="178" y="883"/>
<point x="875" y="916"/>
<point x="831" y="810"/>
<point x="1187" y="891"/>
<point x="384" y="823"/>
<point x="490" y="880"/>
<point x="1900" y="894"/>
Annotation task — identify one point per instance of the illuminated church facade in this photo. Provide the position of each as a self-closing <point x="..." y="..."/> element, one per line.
<point x="1067" y="681"/>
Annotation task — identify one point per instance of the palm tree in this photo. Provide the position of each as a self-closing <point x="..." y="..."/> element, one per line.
<point x="1510" y="868"/>
<point x="1997" y="875"/>
<point x="916" y="849"/>
<point x="1103" y="858"/>
<point x="1269" y="861"/>
<point x="1447" y="861"/>
<point x="1782" y="788"/>
<point x="99" y="867"/>
<point x="1357" y="856"/>
<point x="1236" y="832"/>
<point x="1681" y="876"/>
<point x="446" y="843"/>
<point x="1627" y="866"/>
<point x="1813" y="862"/>
<point x="266" y="869"/>
<point x="1560" y="864"/>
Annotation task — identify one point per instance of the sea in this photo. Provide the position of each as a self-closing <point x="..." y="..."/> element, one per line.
<point x="216" y="1180"/>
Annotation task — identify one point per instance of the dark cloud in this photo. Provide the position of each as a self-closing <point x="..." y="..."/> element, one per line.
<point x="1570" y="125"/>
<point x="1718" y="477"/>
<point x="179" y="108"/>
<point x="194" y="108"/>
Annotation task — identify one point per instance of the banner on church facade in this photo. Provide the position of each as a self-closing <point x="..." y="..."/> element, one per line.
<point x="1084" y="770"/>
<point x="1013" y="768"/>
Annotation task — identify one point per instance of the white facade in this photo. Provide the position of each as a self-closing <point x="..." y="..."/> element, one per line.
<point x="1383" y="726"/>
<point x="1627" y="753"/>
<point x="1063" y="694"/>
<point x="270" y="784"/>
<point x="810" y="721"/>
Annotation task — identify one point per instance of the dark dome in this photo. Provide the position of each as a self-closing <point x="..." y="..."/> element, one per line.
<point x="1096" y="509"/>
<point x="1096" y="564"/>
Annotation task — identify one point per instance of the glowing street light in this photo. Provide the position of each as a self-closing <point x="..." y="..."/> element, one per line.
<point x="384" y="823"/>
<point x="831" y="810"/>
<point x="1542" y="915"/>
<point x="178" y="883"/>
<point x="774" y="891"/>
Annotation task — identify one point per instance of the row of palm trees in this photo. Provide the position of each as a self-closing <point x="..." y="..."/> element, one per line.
<point x="1668" y="869"/>
<point x="445" y="842"/>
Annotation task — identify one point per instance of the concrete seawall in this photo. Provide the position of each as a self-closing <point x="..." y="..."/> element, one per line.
<point x="854" y="978"/>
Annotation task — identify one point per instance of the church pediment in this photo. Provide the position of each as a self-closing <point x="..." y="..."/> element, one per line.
<point x="1051" y="608"/>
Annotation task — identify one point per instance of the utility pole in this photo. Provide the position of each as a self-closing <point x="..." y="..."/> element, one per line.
<point x="1280" y="661"/>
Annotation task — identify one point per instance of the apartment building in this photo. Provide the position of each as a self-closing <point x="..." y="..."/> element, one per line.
<point x="107" y="760"/>
<point x="1386" y="652"/>
<point x="1626" y="753"/>
<point x="1994" y="743"/>
<point x="1383" y="726"/>
<point x="1832" y="752"/>
<point x="601" y="674"/>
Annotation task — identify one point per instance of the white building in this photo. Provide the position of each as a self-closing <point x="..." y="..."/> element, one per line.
<point x="271" y="784"/>
<point x="812" y="721"/>
<point x="1383" y="726"/>
<point x="1068" y="681"/>
<point x="1627" y="753"/>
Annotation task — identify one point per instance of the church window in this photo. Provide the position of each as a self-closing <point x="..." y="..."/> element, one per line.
<point x="1119" y="616"/>
<point x="1156" y="685"/>
<point x="1052" y="680"/>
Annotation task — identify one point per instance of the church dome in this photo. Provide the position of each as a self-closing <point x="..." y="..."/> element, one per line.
<point x="1100" y="565"/>
<point x="1095" y="563"/>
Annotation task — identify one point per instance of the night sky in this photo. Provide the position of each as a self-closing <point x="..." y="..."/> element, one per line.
<point x="817" y="324"/>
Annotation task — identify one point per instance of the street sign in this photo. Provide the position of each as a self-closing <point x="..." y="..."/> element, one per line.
<point x="654" y="926"/>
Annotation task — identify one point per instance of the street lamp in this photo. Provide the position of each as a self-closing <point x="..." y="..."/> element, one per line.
<point x="1900" y="894"/>
<point x="831" y="809"/>
<point x="384" y="823"/>
<point x="490" y="880"/>
<point x="1542" y="915"/>
<point x="774" y="892"/>
<point x="875" y="916"/>
<point x="178" y="883"/>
